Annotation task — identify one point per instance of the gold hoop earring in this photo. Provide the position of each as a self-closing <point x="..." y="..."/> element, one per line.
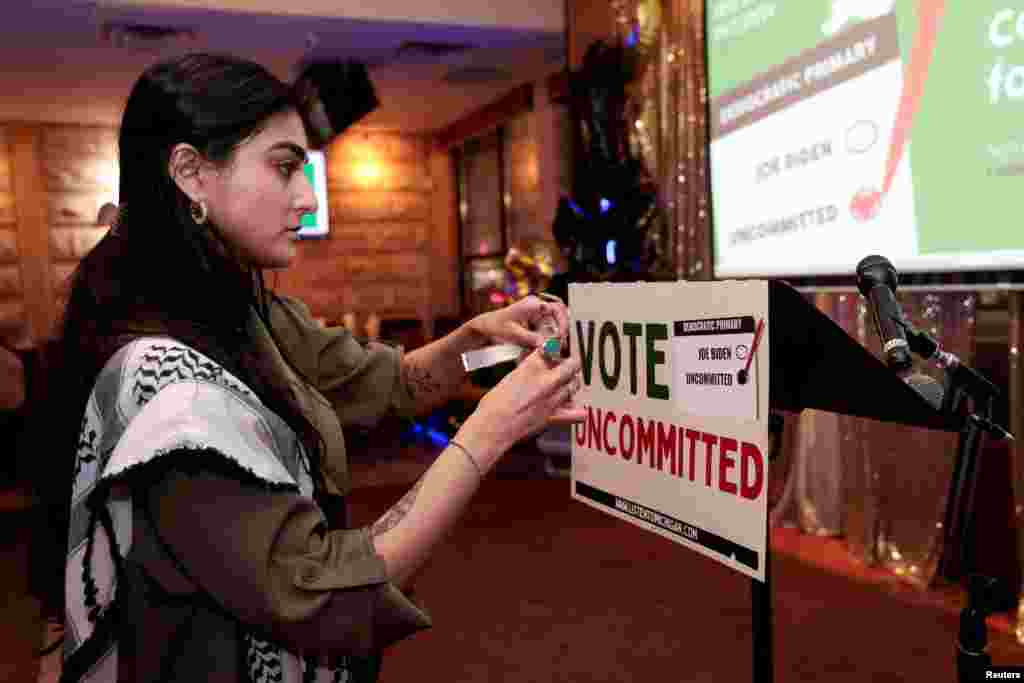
<point x="198" y="211"/>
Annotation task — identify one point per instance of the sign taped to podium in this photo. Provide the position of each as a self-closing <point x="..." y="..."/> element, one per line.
<point x="675" y="386"/>
<point x="710" y="357"/>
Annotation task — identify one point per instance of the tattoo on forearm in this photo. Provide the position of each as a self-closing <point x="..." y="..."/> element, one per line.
<point x="419" y="380"/>
<point x="390" y="519"/>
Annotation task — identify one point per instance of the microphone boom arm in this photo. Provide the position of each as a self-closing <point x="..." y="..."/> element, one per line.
<point x="961" y="375"/>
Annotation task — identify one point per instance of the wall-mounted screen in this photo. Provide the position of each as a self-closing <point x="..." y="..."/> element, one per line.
<point x="842" y="128"/>
<point x="316" y="225"/>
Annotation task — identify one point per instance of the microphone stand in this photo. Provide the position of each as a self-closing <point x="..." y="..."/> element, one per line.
<point x="963" y="383"/>
<point x="761" y="592"/>
<point x="972" y="658"/>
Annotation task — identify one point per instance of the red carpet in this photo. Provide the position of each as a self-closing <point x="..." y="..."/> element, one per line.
<point x="534" y="587"/>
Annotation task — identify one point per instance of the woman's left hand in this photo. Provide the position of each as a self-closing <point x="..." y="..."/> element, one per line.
<point x="522" y="322"/>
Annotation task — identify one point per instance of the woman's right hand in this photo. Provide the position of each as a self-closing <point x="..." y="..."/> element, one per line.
<point x="537" y="393"/>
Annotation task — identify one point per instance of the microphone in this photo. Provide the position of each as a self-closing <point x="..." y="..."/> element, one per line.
<point x="959" y="374"/>
<point x="877" y="282"/>
<point x="926" y="346"/>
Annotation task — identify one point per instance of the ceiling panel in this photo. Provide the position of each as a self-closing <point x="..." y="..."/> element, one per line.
<point x="57" y="66"/>
<point x="540" y="15"/>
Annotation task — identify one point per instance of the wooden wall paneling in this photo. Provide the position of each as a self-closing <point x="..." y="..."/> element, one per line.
<point x="8" y="213"/>
<point x="8" y="242"/>
<point x="587" y="22"/>
<point x="72" y="243"/>
<point x="375" y="260"/>
<point x="395" y="299"/>
<point x="5" y="175"/>
<point x="397" y="266"/>
<point x="81" y="160"/>
<point x="371" y="206"/>
<point x="487" y="118"/>
<point x="13" y="323"/>
<point x="316" y="279"/>
<point x="31" y="210"/>
<point x="388" y="237"/>
<point x="346" y="238"/>
<point x="79" y="166"/>
<point x="354" y="175"/>
<point x="71" y="142"/>
<point x="553" y="152"/>
<point x="358" y="145"/>
<point x="68" y="173"/>
<point x="520" y="181"/>
<point x="10" y="282"/>
<point x="74" y="208"/>
<point x="444" y="245"/>
<point x="319" y="301"/>
<point x="376" y="257"/>
<point x="13" y="328"/>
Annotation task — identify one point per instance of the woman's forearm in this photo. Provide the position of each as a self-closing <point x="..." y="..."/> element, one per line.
<point x="522" y="404"/>
<point x="434" y="372"/>
<point x="407" y="533"/>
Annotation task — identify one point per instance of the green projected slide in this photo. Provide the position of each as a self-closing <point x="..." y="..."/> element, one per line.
<point x="848" y="127"/>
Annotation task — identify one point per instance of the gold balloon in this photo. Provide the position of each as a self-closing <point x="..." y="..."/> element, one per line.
<point x="530" y="272"/>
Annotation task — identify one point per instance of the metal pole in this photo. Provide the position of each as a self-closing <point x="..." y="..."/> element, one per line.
<point x="761" y="602"/>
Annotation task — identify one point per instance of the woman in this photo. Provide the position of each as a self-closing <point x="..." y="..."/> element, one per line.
<point x="211" y="444"/>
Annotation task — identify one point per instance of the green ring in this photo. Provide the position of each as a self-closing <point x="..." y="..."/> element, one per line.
<point x="552" y="348"/>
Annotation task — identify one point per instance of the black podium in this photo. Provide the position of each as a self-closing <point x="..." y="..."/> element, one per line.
<point x="815" y="364"/>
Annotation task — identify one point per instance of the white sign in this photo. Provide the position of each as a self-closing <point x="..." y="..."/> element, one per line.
<point x="712" y="360"/>
<point x="665" y="455"/>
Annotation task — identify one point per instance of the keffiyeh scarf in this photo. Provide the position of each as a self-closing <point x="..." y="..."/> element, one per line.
<point x="156" y="397"/>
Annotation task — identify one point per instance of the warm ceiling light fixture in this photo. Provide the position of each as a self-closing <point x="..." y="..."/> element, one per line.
<point x="368" y="171"/>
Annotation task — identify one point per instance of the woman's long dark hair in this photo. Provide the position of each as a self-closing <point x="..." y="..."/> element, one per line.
<point x="159" y="272"/>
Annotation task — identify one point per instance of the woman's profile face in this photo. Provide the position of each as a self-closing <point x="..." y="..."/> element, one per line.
<point x="258" y="201"/>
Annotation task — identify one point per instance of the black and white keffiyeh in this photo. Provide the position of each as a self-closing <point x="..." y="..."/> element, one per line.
<point x="155" y="397"/>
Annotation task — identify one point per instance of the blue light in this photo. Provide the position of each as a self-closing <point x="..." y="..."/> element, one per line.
<point x="632" y="38"/>
<point x="605" y="205"/>
<point x="609" y="252"/>
<point x="575" y="209"/>
<point x="437" y="438"/>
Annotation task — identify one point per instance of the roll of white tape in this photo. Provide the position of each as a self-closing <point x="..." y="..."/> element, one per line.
<point x="491" y="355"/>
